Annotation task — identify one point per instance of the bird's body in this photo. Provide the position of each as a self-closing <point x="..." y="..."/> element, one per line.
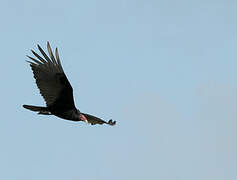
<point x="56" y="89"/>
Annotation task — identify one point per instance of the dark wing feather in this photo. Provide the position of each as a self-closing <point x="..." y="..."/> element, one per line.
<point x="51" y="80"/>
<point x="95" y="120"/>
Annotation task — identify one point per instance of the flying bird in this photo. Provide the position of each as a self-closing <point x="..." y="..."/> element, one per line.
<point x="56" y="89"/>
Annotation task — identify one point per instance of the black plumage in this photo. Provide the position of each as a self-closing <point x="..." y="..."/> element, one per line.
<point x="56" y="89"/>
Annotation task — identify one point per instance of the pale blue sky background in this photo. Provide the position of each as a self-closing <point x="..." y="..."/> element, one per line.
<point x="166" y="71"/>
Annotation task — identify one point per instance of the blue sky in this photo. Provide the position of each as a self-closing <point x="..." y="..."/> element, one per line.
<point x="164" y="70"/>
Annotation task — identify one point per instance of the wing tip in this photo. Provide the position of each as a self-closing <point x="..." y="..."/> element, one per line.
<point x="38" y="46"/>
<point x="111" y="122"/>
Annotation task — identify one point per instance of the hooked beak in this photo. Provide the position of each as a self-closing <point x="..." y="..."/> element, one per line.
<point x="83" y="118"/>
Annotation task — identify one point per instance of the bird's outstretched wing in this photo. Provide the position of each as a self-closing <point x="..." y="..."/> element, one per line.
<point x="51" y="79"/>
<point x="95" y="120"/>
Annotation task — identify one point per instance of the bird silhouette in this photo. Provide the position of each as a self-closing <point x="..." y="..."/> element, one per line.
<point x="56" y="89"/>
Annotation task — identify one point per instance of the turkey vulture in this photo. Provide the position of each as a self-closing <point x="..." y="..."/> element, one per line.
<point x="56" y="89"/>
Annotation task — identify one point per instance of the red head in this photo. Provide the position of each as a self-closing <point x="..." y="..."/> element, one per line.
<point x="82" y="118"/>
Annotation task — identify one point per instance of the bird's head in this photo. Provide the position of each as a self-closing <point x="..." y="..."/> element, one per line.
<point x="82" y="117"/>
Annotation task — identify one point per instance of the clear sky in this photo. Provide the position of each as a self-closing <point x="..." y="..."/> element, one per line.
<point x="166" y="71"/>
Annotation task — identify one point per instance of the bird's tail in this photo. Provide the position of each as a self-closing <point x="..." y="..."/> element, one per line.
<point x="41" y="110"/>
